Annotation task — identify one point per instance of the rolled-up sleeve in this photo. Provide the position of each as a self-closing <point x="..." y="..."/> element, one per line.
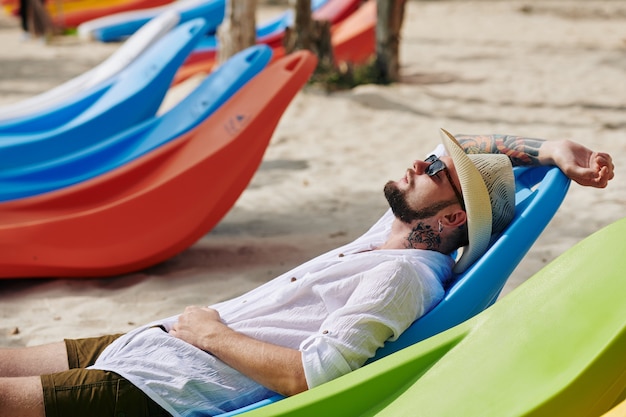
<point x="387" y="300"/>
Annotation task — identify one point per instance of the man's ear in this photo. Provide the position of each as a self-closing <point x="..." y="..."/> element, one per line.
<point x="456" y="218"/>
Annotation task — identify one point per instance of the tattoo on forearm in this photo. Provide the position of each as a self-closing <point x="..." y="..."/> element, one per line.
<point x="522" y="151"/>
<point x="423" y="234"/>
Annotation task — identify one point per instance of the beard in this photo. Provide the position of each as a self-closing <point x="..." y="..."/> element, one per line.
<point x="400" y="206"/>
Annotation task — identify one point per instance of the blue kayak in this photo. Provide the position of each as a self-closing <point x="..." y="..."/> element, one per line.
<point x="126" y="146"/>
<point x="134" y="96"/>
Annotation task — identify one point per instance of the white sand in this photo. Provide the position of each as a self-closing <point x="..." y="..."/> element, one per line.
<point x="535" y="68"/>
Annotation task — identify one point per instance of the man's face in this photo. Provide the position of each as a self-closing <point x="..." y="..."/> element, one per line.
<point x="418" y="196"/>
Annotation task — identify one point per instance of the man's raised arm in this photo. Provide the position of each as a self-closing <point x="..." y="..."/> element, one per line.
<point x="579" y="163"/>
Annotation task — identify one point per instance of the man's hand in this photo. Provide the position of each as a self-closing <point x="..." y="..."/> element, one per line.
<point x="199" y="326"/>
<point x="579" y="163"/>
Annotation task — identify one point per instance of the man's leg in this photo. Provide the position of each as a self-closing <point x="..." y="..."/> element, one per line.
<point x="21" y="393"/>
<point x="33" y="361"/>
<point x="21" y="397"/>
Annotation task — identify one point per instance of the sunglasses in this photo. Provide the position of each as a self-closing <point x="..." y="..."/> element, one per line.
<point x="435" y="167"/>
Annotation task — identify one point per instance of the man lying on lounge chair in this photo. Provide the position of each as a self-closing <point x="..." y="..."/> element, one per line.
<point x="309" y="325"/>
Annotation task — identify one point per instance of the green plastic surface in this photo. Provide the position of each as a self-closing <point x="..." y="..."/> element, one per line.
<point x="555" y="346"/>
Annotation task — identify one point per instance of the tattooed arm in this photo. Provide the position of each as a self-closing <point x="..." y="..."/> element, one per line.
<point x="579" y="163"/>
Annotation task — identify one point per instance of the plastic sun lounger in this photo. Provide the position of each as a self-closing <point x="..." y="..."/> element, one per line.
<point x="159" y="204"/>
<point x="539" y="193"/>
<point x="204" y="56"/>
<point x="74" y="18"/>
<point x="552" y="347"/>
<point x="119" y="60"/>
<point x="134" y="97"/>
<point x="122" y="148"/>
<point x="269" y="32"/>
<point x="119" y="26"/>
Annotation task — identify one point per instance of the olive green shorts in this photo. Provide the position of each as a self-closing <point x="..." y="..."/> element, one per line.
<point x="82" y="392"/>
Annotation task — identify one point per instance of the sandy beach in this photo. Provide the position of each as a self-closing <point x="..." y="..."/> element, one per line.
<point x="546" y="69"/>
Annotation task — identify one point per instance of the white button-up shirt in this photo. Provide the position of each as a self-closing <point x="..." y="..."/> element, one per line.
<point x="336" y="309"/>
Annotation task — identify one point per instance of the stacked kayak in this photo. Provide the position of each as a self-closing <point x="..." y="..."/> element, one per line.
<point x="58" y="171"/>
<point x="272" y="32"/>
<point x="119" y="26"/>
<point x="99" y="178"/>
<point x="157" y="204"/>
<point x="116" y="27"/>
<point x="352" y="35"/>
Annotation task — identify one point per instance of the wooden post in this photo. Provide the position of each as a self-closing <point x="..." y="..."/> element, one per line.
<point x="39" y="22"/>
<point x="238" y="30"/>
<point x="299" y="37"/>
<point x="310" y="34"/>
<point x="388" y="27"/>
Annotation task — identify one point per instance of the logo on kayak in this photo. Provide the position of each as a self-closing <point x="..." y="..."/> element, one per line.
<point x="236" y="123"/>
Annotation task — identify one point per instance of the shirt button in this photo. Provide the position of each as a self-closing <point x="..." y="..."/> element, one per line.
<point x="294" y="279"/>
<point x="325" y="332"/>
<point x="341" y="255"/>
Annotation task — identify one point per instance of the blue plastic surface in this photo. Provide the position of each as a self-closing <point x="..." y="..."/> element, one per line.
<point x="52" y="118"/>
<point x="212" y="11"/>
<point x="539" y="193"/>
<point x="134" y="97"/>
<point x="111" y="153"/>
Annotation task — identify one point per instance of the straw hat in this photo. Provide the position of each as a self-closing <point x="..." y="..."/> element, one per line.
<point x="488" y="188"/>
